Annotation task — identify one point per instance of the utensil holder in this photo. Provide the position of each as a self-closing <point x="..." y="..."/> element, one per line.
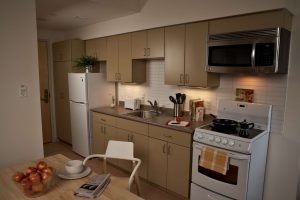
<point x="178" y="110"/>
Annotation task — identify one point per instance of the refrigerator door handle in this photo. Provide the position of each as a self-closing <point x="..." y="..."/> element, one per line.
<point x="77" y="102"/>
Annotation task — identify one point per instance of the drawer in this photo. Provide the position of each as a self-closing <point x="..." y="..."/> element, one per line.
<point x="104" y="119"/>
<point x="133" y="126"/>
<point x="170" y="135"/>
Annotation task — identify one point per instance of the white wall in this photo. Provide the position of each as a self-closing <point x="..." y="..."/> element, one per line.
<point x="158" y="13"/>
<point x="20" y="118"/>
<point x="283" y="156"/>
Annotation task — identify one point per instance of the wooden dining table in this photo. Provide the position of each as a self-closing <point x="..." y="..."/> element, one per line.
<point x="62" y="189"/>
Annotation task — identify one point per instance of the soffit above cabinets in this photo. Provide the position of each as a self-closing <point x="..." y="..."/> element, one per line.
<point x="69" y="14"/>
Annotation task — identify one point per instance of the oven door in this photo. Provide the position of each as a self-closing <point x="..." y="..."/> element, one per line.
<point x="233" y="184"/>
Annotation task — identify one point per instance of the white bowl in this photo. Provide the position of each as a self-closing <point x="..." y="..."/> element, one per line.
<point x="74" y="166"/>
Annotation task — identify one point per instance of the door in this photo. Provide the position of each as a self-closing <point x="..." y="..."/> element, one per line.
<point x="98" y="138"/>
<point x="44" y="91"/>
<point x="157" y="162"/>
<point x="112" y="64"/>
<point x="233" y="184"/>
<point x="195" y="54"/>
<point x="156" y="43"/>
<point x="139" y="44"/>
<point x="77" y="87"/>
<point x="125" y="61"/>
<point x="174" y="55"/>
<point x="179" y="164"/>
<point x="79" y="128"/>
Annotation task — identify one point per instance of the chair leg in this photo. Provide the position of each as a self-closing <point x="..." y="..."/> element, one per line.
<point x="104" y="165"/>
<point x="137" y="182"/>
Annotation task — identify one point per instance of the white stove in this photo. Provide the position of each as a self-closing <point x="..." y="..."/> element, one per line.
<point x="247" y="153"/>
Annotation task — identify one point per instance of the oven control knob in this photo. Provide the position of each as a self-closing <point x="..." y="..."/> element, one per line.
<point x="224" y="141"/>
<point x="231" y="143"/>
<point x="217" y="139"/>
<point x="211" y="138"/>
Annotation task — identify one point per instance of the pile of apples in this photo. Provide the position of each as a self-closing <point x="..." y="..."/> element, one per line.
<point x="35" y="179"/>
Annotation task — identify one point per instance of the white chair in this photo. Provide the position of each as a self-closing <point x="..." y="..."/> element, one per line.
<point x="124" y="151"/>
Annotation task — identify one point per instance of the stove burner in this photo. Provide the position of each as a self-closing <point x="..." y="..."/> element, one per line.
<point x="244" y="133"/>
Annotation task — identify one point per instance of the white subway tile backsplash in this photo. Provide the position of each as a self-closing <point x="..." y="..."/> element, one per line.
<point x="269" y="89"/>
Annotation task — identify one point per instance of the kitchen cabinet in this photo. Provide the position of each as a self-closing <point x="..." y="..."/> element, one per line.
<point x="195" y="57"/>
<point x="263" y="20"/>
<point x="185" y="56"/>
<point x="96" y="48"/>
<point x="64" y="55"/>
<point x="106" y="127"/>
<point x="120" y="66"/>
<point x="148" y="44"/>
<point x="169" y="159"/>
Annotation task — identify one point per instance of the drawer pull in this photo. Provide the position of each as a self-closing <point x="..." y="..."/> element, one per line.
<point x="104" y="120"/>
<point x="169" y="150"/>
<point x="168" y="136"/>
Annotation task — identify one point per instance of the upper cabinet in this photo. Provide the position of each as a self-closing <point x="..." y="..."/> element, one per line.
<point x="68" y="50"/>
<point x="97" y="48"/>
<point x="148" y="44"/>
<point x="270" y="19"/>
<point x="185" y="56"/>
<point x="120" y="66"/>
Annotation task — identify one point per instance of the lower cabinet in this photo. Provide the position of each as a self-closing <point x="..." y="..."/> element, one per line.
<point x="165" y="153"/>
<point x="169" y="166"/>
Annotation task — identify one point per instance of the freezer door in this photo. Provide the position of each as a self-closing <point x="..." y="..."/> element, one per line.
<point x="77" y="87"/>
<point x="79" y="128"/>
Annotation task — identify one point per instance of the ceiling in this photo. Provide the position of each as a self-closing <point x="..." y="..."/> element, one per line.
<point x="69" y="14"/>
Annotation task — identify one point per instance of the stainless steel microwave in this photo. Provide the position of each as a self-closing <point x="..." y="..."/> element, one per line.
<point x="259" y="51"/>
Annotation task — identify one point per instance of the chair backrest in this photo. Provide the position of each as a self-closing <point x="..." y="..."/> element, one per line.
<point x="120" y="150"/>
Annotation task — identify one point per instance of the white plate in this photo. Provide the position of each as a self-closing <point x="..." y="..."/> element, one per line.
<point x="65" y="175"/>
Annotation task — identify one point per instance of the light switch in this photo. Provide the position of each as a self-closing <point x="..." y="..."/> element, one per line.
<point x="23" y="91"/>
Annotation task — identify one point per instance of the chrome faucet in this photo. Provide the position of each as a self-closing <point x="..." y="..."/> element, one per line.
<point x="154" y="107"/>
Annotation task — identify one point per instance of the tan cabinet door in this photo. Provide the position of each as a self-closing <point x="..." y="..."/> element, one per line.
<point x="141" y="143"/>
<point x="62" y="51"/>
<point x="98" y="138"/>
<point x="112" y="64"/>
<point x="90" y="48"/>
<point x="123" y="135"/>
<point x="195" y="54"/>
<point x="178" y="169"/>
<point x="271" y="19"/>
<point x="101" y="49"/>
<point x="156" y="43"/>
<point x="157" y="168"/>
<point x="125" y="62"/>
<point x="174" y="55"/>
<point x="139" y="44"/>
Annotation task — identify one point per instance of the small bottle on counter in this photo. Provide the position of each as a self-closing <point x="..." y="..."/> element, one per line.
<point x="113" y="103"/>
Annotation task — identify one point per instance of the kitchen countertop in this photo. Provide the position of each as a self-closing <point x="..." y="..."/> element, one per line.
<point x="160" y="120"/>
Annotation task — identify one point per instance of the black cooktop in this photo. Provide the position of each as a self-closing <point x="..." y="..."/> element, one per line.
<point x="251" y="133"/>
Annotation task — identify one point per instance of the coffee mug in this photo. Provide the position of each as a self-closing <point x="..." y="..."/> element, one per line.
<point x="74" y="166"/>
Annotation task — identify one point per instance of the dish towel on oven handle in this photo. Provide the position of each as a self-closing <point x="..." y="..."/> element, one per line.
<point x="214" y="160"/>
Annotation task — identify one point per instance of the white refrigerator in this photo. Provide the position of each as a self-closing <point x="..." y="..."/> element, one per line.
<point x="86" y="91"/>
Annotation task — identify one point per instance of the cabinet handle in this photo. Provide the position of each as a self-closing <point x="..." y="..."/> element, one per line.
<point x="119" y="76"/>
<point x="181" y="78"/>
<point x="145" y="51"/>
<point x="148" y="52"/>
<point x="168" y="136"/>
<point x="104" y="120"/>
<point x="116" y="76"/>
<point x="169" y="150"/>
<point x="164" y="148"/>
<point x="132" y="138"/>
<point x="128" y="139"/>
<point x="104" y="128"/>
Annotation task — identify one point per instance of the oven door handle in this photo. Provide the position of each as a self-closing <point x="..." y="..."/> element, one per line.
<point x="231" y="155"/>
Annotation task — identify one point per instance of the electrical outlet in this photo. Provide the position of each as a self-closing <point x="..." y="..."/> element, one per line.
<point x="23" y="91"/>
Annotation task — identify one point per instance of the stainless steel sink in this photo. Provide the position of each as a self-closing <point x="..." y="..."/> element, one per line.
<point x="144" y="114"/>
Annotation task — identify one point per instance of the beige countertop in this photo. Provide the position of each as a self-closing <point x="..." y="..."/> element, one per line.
<point x="160" y="120"/>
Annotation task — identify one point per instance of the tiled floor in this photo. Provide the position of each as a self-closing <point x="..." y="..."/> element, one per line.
<point x="149" y="192"/>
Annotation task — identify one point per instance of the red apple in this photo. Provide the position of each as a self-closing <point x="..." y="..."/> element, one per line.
<point x="41" y="165"/>
<point x="34" y="177"/>
<point x="48" y="170"/>
<point x="37" y="187"/>
<point x="25" y="183"/>
<point x="30" y="170"/>
<point x="18" y="176"/>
